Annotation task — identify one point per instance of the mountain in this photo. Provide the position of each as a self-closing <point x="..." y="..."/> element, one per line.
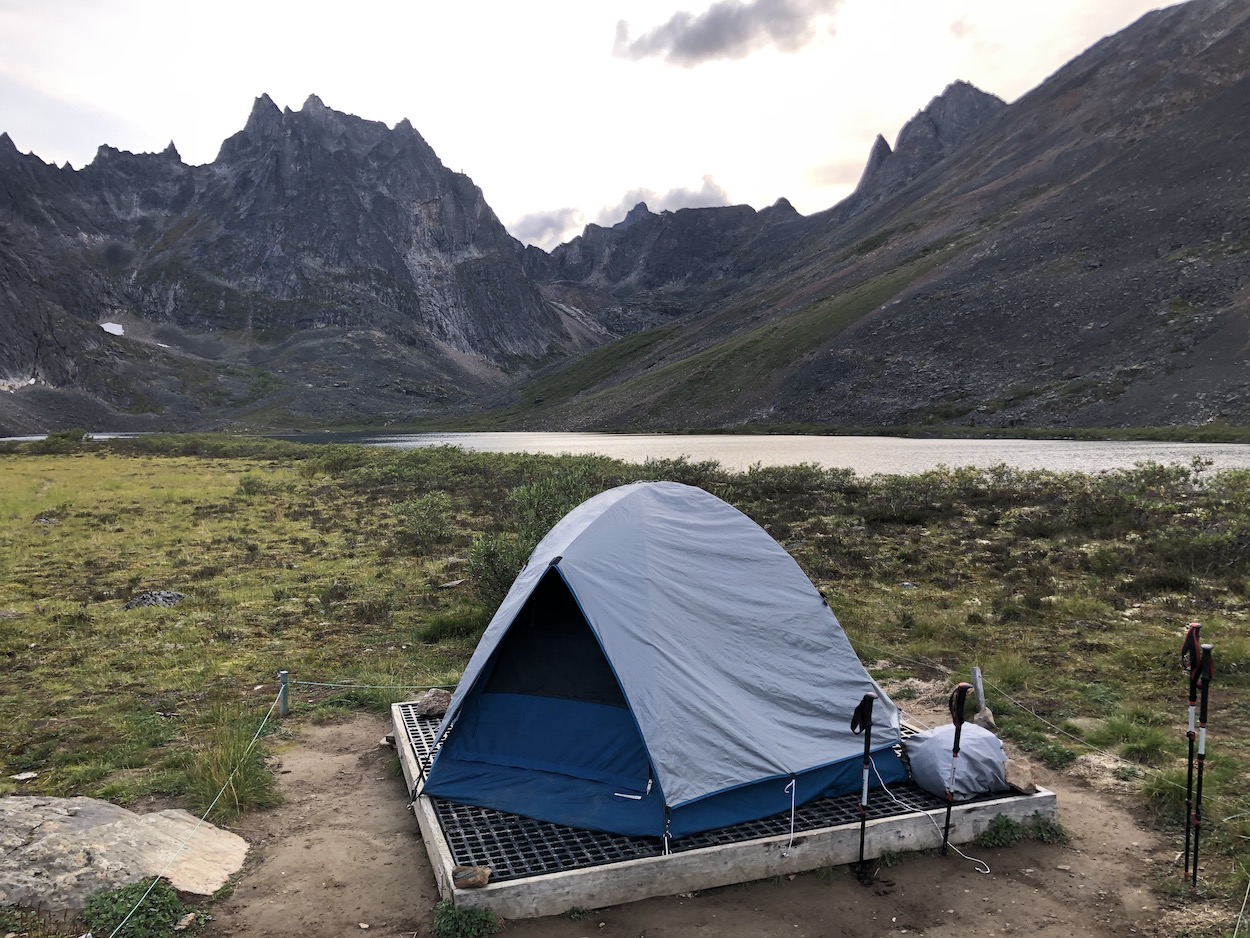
<point x="323" y="267"/>
<point x="1079" y="257"/>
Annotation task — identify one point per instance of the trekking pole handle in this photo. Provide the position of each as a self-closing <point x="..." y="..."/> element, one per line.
<point x="1206" y="671"/>
<point x="861" y="719"/>
<point x="958" y="698"/>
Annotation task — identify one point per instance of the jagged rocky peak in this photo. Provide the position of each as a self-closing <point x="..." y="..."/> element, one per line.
<point x="265" y="119"/>
<point x="937" y="131"/>
<point x="634" y="215"/>
<point x="780" y="211"/>
<point x="951" y="117"/>
<point x="107" y="157"/>
<point x="877" y="156"/>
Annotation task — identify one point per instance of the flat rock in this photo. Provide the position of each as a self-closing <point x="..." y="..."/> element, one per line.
<point x="55" y="853"/>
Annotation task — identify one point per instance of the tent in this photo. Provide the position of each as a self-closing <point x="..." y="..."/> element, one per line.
<point x="661" y="666"/>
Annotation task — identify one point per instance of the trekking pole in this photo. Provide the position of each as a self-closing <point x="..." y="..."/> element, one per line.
<point x="956" y="703"/>
<point x="1191" y="659"/>
<point x="1207" y="667"/>
<point x="862" y="719"/>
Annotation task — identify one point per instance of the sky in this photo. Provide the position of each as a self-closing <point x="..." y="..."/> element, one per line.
<point x="564" y="112"/>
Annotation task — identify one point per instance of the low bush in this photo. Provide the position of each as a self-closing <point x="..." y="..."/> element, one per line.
<point x="155" y="912"/>
<point x="451" y="922"/>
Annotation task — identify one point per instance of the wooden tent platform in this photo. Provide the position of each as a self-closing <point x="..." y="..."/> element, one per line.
<point x="546" y="869"/>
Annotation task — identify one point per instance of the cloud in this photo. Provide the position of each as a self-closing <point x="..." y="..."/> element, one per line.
<point x="728" y="29"/>
<point x="706" y="196"/>
<point x="547" y="229"/>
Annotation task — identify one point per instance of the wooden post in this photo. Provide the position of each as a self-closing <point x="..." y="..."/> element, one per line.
<point x="284" y="695"/>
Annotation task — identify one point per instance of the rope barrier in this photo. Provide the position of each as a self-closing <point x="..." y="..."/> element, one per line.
<point x="375" y="686"/>
<point x="183" y="846"/>
<point x="1240" y="914"/>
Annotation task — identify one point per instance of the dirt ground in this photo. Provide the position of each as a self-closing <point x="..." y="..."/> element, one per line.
<point x="343" y="856"/>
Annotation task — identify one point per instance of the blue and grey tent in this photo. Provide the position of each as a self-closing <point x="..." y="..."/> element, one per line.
<point x="660" y="666"/>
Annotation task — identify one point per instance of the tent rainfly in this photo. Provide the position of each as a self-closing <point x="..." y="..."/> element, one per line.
<point x="660" y="667"/>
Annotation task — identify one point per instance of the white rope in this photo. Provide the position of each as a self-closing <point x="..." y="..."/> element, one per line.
<point x="792" y="788"/>
<point x="1243" y="910"/>
<point x="375" y="686"/>
<point x="183" y="846"/>
<point x="979" y="865"/>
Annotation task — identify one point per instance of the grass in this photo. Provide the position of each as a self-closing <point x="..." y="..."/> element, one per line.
<point x="371" y="567"/>
<point x="1006" y="832"/>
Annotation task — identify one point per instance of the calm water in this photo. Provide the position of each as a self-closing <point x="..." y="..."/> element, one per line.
<point x="864" y="454"/>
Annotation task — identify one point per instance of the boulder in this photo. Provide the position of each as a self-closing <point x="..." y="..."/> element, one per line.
<point x="55" y="853"/>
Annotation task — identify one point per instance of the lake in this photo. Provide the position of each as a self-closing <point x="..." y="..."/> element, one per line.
<point x="865" y="454"/>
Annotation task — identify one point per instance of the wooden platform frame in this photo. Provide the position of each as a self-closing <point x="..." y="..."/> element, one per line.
<point x="704" y="868"/>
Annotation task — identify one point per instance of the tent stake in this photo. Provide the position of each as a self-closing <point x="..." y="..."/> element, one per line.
<point x="956" y="703"/>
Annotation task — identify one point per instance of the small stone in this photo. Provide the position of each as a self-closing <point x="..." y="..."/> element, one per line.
<point x="470" y="877"/>
<point x="1064" y="868"/>
<point x="1019" y="775"/>
<point x="432" y="703"/>
<point x="24" y="776"/>
<point x="364" y="926"/>
<point x="185" y="922"/>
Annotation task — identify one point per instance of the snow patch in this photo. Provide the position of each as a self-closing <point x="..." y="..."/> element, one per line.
<point x="113" y="328"/>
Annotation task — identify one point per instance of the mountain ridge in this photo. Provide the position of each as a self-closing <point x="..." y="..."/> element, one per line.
<point x="1075" y="258"/>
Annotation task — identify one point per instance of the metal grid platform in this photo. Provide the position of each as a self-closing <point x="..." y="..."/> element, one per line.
<point x="516" y="847"/>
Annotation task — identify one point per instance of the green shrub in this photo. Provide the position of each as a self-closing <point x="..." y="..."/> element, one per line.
<point x="155" y="916"/>
<point x="250" y="484"/>
<point x="1005" y="832"/>
<point x="425" y="521"/>
<point x="494" y="562"/>
<point x="1047" y="830"/>
<point x="1002" y="832"/>
<point x="450" y="922"/>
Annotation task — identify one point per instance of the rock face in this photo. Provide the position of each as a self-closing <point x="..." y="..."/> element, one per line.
<point x="55" y="853"/>
<point x="926" y="140"/>
<point x="318" y="253"/>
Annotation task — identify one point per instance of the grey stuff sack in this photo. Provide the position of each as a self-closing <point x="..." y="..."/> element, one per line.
<point x="982" y="761"/>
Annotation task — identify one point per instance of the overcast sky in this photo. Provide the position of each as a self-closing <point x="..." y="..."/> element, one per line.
<point x="563" y="111"/>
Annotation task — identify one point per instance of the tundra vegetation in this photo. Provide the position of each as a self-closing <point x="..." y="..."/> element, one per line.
<point x="356" y="566"/>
